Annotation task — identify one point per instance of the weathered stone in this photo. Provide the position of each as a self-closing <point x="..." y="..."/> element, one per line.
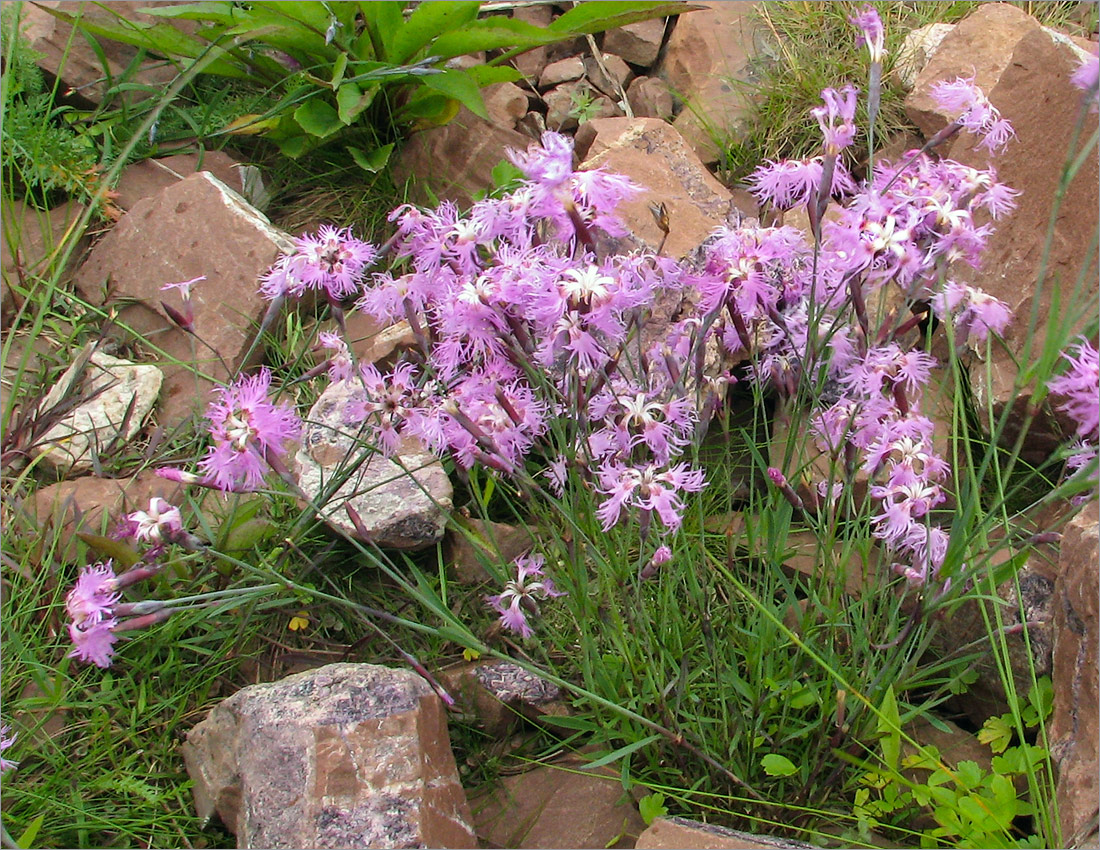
<point x="637" y="43"/>
<point x="1075" y="727"/>
<point x="457" y="159"/>
<point x="370" y="342"/>
<point x="197" y="226"/>
<point x="402" y="501"/>
<point x="654" y="155"/>
<point x="93" y="505"/>
<point x="73" y="59"/>
<point x="708" y="52"/>
<point x="980" y="47"/>
<point x="477" y="541"/>
<point x="347" y="755"/>
<point x="149" y="176"/>
<point x="506" y="103"/>
<point x="541" y="808"/>
<point x="570" y="104"/>
<point x="614" y="81"/>
<point x="563" y="71"/>
<point x="112" y="397"/>
<point x="916" y="50"/>
<point x="532" y="62"/>
<point x="1034" y="93"/>
<point x="669" y="833"/>
<point x="649" y="97"/>
<point x="494" y="694"/>
<point x="29" y="243"/>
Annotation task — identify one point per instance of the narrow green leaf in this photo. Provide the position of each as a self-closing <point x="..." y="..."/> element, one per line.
<point x="317" y="118"/>
<point x="889" y="726"/>
<point x="622" y="751"/>
<point x="338" y="69"/>
<point x="492" y="33"/>
<point x="26" y="840"/>
<point x="598" y="15"/>
<point x="116" y="550"/>
<point x="777" y="765"/>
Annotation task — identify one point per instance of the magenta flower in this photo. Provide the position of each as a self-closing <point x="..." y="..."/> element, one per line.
<point x="161" y="522"/>
<point x="838" y="107"/>
<point x="977" y="114"/>
<point x="794" y="182"/>
<point x="339" y="363"/>
<point x="247" y="430"/>
<point x="871" y="30"/>
<point x="1080" y="385"/>
<point x="520" y="595"/>
<point x="94" y="595"/>
<point x="93" y="643"/>
<point x="975" y="312"/>
<point x="7" y="738"/>
<point x="648" y="488"/>
<point x="1085" y="78"/>
<point x="332" y="261"/>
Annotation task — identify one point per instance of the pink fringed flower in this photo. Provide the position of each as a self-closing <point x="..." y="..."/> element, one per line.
<point x="93" y="596"/>
<point x="520" y="595"/>
<point x="1080" y="385"/>
<point x="977" y="114"/>
<point x="7" y="738"/>
<point x="94" y="643"/>
<point x="160" y="523"/>
<point x="872" y="33"/>
<point x="332" y="260"/>
<point x="247" y="430"/>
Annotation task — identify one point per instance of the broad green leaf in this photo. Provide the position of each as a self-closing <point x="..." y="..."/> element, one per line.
<point x="250" y="125"/>
<point x="383" y="20"/>
<point x="428" y="22"/>
<point x="214" y="12"/>
<point x="486" y="75"/>
<point x="621" y="752"/>
<point x="429" y="109"/>
<point x="889" y="726"/>
<point x="1041" y="698"/>
<point x="116" y="550"/>
<point x="969" y="773"/>
<point x="248" y="534"/>
<point x="997" y="733"/>
<point x="492" y="33"/>
<point x="460" y="86"/>
<point x="374" y="161"/>
<point x="651" y="807"/>
<point x="317" y="118"/>
<point x="351" y="101"/>
<point x="777" y="765"/>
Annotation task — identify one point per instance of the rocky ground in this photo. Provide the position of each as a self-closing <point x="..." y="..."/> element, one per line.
<point x="634" y="104"/>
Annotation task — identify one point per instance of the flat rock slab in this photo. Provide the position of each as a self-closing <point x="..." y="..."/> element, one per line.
<point x="347" y="755"/>
<point x="197" y="226"/>
<point x="113" y="399"/>
<point x="669" y="833"/>
<point x="403" y="502"/>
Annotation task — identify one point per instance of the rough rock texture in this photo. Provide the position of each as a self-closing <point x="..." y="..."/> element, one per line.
<point x="28" y="238"/>
<point x="403" y="502"/>
<point x="531" y="63"/>
<point x="708" y="50"/>
<point x="563" y="71"/>
<point x="649" y="97"/>
<point x="637" y="43"/>
<point x="92" y="505"/>
<point x="1075" y="727"/>
<point x="494" y="694"/>
<point x="1033" y="92"/>
<point x="348" y="755"/>
<point x="669" y="833"/>
<point x="654" y="155"/>
<point x="619" y="71"/>
<point x="916" y="50"/>
<point x="149" y="176"/>
<point x="457" y="159"/>
<point x="197" y="226"/>
<point x="113" y="398"/>
<point x="554" y="807"/>
<point x="506" y="103"/>
<point x="73" y="58"/>
<point x="467" y="547"/>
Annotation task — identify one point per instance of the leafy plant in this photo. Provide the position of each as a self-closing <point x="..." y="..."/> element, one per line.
<point x="339" y="68"/>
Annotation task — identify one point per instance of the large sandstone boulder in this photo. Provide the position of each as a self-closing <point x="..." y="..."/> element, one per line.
<point x="654" y="155"/>
<point x="402" y="502"/>
<point x="709" y="52"/>
<point x="147" y="177"/>
<point x="1075" y="727"/>
<point x="197" y="226"/>
<point x="1029" y="83"/>
<point x="348" y="755"/>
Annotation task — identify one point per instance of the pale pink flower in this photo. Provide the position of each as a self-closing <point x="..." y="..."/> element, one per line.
<point x="161" y="522"/>
<point x="7" y="738"/>
<point x="520" y="595"/>
<point x="93" y="596"/>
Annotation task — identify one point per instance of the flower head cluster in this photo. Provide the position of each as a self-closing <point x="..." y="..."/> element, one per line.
<point x="1080" y="387"/>
<point x="7" y="738"/>
<point x="871" y="32"/>
<point x="248" y="432"/>
<point x="332" y="261"/>
<point x="793" y="182"/>
<point x="90" y="605"/>
<point x="521" y="595"/>
<point x="839" y="107"/>
<point x="975" y="113"/>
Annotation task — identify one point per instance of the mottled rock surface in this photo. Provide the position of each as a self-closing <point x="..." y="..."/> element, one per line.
<point x="198" y="226"/>
<point x="110" y="400"/>
<point x="1075" y="727"/>
<point x="347" y="755"/>
<point x="494" y="694"/>
<point x="403" y="502"/>
<point x="669" y="833"/>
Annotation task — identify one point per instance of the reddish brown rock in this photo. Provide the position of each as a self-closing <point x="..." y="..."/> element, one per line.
<point x="670" y="833"/>
<point x="72" y="58"/>
<point x="575" y="103"/>
<point x="475" y="541"/>
<point x="149" y="176"/>
<point x="348" y="755"/>
<point x="31" y="242"/>
<point x="637" y="43"/>
<point x="495" y="694"/>
<point x="457" y="159"/>
<point x="506" y="103"/>
<point x="1034" y="93"/>
<point x="1075" y="727"/>
<point x="532" y="63"/>
<point x="649" y="97"/>
<point x="654" y="155"/>
<point x="913" y="55"/>
<point x="563" y="71"/>
<point x="195" y="227"/>
<point x="613" y="82"/>
<point x="540" y="808"/>
<point x="708" y="51"/>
